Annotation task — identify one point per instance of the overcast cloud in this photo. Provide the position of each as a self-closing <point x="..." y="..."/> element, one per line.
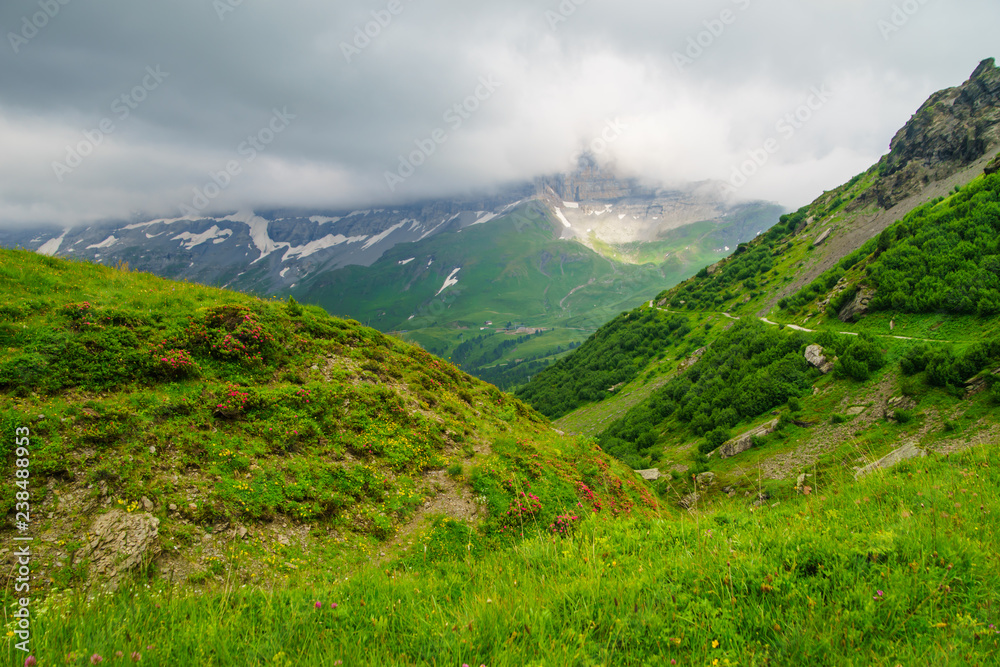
<point x="330" y="115"/>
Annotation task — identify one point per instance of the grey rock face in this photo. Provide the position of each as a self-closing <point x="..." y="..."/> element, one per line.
<point x="908" y="451"/>
<point x="814" y="356"/>
<point x="119" y="542"/>
<point x="858" y="306"/>
<point x="742" y="443"/>
<point x="952" y="129"/>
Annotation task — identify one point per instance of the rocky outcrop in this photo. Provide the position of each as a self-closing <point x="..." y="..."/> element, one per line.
<point x="705" y="479"/>
<point x="691" y="361"/>
<point x="858" y="307"/>
<point x="953" y="129"/>
<point x="976" y="384"/>
<point x="993" y="167"/>
<point x="120" y="541"/>
<point x="815" y="358"/>
<point x="689" y="501"/>
<point x="895" y="404"/>
<point x="650" y="475"/>
<point x="742" y="443"/>
<point x="907" y="451"/>
<point x="822" y="237"/>
<point x="589" y="182"/>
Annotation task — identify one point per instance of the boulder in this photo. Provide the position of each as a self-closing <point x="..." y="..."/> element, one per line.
<point x="742" y="443"/>
<point x="907" y="451"/>
<point x="120" y="541"/>
<point x="858" y="306"/>
<point x="822" y="237"/>
<point x="814" y="355"/>
<point x="650" y="475"/>
<point x="689" y="501"/>
<point x="705" y="479"/>
<point x="897" y="403"/>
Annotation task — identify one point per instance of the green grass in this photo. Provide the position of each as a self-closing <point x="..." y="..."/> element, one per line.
<point x="899" y="568"/>
<point x="224" y="410"/>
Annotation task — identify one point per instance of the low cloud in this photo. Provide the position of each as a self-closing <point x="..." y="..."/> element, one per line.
<point x="695" y="91"/>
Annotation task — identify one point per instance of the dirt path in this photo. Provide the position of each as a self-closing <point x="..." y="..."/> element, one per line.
<point x="795" y="327"/>
<point x="573" y="291"/>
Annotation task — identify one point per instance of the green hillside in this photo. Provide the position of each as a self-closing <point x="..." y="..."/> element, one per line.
<point x="306" y="490"/>
<point x="210" y="410"/>
<point x="929" y="274"/>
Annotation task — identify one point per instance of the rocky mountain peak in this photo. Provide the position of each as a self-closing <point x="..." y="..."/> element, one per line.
<point x="952" y="129"/>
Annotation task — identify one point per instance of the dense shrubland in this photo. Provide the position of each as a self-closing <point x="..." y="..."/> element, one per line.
<point x="614" y="355"/>
<point x="748" y="371"/>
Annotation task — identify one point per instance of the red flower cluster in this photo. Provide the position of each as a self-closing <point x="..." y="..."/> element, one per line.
<point x="563" y="525"/>
<point x="175" y="362"/>
<point x="526" y="506"/>
<point x="235" y="401"/>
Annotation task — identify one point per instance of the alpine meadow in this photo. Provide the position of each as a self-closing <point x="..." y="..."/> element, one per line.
<point x="589" y="383"/>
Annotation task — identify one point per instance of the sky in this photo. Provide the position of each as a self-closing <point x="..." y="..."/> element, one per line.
<point x="138" y="109"/>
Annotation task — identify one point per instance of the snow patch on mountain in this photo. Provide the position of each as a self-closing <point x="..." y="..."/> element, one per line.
<point x="51" y="247"/>
<point x="404" y="262"/>
<point x="320" y="220"/>
<point x="484" y="217"/>
<point x="189" y="240"/>
<point x="381" y="237"/>
<point x="313" y="247"/>
<point x="106" y="243"/>
<point x="435" y="227"/>
<point x="562" y="219"/>
<point x="162" y="221"/>
<point x="258" y="232"/>
<point x="449" y="281"/>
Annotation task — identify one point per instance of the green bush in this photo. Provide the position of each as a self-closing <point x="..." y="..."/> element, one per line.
<point x="903" y="416"/>
<point x="862" y="358"/>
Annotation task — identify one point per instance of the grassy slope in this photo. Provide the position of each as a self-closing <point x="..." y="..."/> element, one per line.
<point x="900" y="568"/>
<point x="320" y="436"/>
<point x="794" y="580"/>
<point x="938" y="418"/>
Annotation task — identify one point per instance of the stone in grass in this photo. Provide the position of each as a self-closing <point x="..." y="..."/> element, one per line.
<point x="689" y="501"/>
<point x="120" y="542"/>
<point x="742" y="443"/>
<point x="907" y="451"/>
<point x="815" y="357"/>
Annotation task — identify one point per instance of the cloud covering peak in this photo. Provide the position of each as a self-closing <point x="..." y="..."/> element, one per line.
<point x="121" y="109"/>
